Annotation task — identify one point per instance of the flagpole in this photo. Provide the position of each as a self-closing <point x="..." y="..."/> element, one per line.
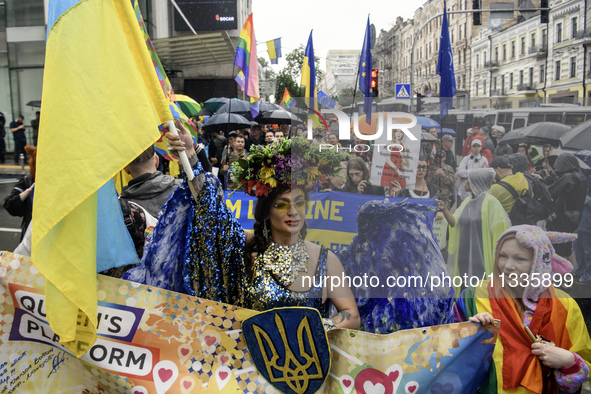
<point x="354" y="94"/>
<point x="230" y="105"/>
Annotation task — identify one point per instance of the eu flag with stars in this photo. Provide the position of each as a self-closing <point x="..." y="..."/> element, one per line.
<point x="365" y="73"/>
<point x="445" y="68"/>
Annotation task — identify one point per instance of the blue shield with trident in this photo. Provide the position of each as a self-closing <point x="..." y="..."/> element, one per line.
<point x="289" y="347"/>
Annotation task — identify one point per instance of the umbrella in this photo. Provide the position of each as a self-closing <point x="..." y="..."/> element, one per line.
<point x="189" y="106"/>
<point x="585" y="157"/>
<point x="266" y="107"/>
<point x="226" y="122"/>
<point x="513" y="137"/>
<point x="427" y="122"/>
<point x="204" y="112"/>
<point x="545" y="130"/>
<point x="279" y="116"/>
<point x="34" y="103"/>
<point x="578" y="137"/>
<point x="214" y="103"/>
<point x="447" y="131"/>
<point x="235" y="106"/>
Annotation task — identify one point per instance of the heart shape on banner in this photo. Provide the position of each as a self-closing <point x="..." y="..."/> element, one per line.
<point x="222" y="376"/>
<point x="373" y="381"/>
<point x="165" y="374"/>
<point x="411" y="388"/>
<point x="346" y="382"/>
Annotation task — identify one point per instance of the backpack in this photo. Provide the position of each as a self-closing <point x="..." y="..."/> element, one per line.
<point x="139" y="223"/>
<point x="541" y="195"/>
<point x="526" y="209"/>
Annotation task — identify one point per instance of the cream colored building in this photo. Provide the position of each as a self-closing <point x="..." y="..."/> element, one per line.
<point x="530" y="62"/>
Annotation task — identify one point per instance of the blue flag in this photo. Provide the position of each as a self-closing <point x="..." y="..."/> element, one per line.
<point x="325" y="100"/>
<point x="309" y="75"/>
<point x="445" y="68"/>
<point x="365" y="68"/>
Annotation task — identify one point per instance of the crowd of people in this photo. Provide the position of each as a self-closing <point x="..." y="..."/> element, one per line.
<point x="510" y="210"/>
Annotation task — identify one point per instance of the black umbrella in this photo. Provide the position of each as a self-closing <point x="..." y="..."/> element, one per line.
<point x="578" y="137"/>
<point x="266" y="107"/>
<point x="279" y="116"/>
<point x="513" y="137"/>
<point x="34" y="103"/>
<point x="204" y="112"/>
<point x="546" y="131"/>
<point x="225" y="122"/>
<point x="235" y="106"/>
<point x="214" y="103"/>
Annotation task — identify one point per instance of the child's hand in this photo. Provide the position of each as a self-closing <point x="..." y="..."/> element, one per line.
<point x="484" y="318"/>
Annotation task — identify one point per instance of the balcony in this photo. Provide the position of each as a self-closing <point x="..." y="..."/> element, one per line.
<point x="492" y="65"/>
<point x="584" y="35"/>
<point x="538" y="50"/>
<point x="496" y="93"/>
<point x="525" y="87"/>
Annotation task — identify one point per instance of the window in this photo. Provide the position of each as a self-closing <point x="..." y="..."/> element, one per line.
<point x="559" y="32"/>
<point x="533" y="39"/>
<point x="502" y="84"/>
<point x="523" y="45"/>
<point x="496" y="54"/>
<point x="557" y="71"/>
<point x="510" y="80"/>
<point x="484" y="58"/>
<point x="573" y="67"/>
<point x="484" y="87"/>
<point x="573" y="24"/>
<point x="531" y="76"/>
<point x="521" y="77"/>
<point x="452" y="36"/>
<point x="495" y="83"/>
<point x="544" y="38"/>
<point x="460" y="33"/>
<point x="504" y="51"/>
<point x="477" y="87"/>
<point x="542" y="73"/>
<point x="477" y="61"/>
<point x="512" y="49"/>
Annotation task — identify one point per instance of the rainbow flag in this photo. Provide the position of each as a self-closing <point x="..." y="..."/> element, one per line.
<point x="274" y="49"/>
<point x="161" y="144"/>
<point x="96" y="62"/>
<point x="309" y="74"/>
<point x="246" y="60"/>
<point x="287" y="101"/>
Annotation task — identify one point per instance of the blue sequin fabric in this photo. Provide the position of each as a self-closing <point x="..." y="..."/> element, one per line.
<point x="396" y="239"/>
<point x="264" y="292"/>
<point x="197" y="247"/>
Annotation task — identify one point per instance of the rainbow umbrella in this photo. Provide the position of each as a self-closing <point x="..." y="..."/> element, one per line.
<point x="189" y="106"/>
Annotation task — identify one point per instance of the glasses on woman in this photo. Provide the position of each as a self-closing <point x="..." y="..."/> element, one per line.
<point x="422" y="167"/>
<point x="285" y="206"/>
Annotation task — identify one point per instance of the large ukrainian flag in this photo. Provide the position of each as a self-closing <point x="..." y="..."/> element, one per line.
<point x="102" y="104"/>
<point x="309" y="75"/>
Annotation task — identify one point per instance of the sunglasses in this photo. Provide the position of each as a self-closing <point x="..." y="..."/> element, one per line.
<point x="422" y="167"/>
<point x="285" y="206"/>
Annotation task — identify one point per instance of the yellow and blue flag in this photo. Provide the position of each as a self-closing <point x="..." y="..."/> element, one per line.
<point x="309" y="75"/>
<point x="445" y="68"/>
<point x="365" y="67"/>
<point x="274" y="49"/>
<point x="97" y="66"/>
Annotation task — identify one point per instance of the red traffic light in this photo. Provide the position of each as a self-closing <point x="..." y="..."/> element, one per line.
<point x="374" y="73"/>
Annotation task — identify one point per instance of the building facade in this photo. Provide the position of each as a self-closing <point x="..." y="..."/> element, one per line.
<point x="529" y="62"/>
<point x="341" y="70"/>
<point x="197" y="64"/>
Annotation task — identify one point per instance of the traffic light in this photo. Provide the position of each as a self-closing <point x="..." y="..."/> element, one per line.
<point x="419" y="102"/>
<point x="477" y="15"/>
<point x="544" y="13"/>
<point x="374" y="82"/>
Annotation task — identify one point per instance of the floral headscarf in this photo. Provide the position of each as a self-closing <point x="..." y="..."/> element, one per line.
<point x="545" y="259"/>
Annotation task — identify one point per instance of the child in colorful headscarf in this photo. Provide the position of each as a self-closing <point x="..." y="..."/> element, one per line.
<point x="555" y="355"/>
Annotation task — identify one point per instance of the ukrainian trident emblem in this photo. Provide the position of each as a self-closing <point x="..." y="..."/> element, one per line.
<point x="289" y="348"/>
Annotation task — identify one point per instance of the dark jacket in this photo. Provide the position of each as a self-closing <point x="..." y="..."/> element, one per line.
<point x="150" y="191"/>
<point x="569" y="191"/>
<point x="434" y="191"/>
<point x="16" y="207"/>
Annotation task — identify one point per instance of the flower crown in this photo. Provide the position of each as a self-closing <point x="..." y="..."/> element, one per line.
<point x="291" y="162"/>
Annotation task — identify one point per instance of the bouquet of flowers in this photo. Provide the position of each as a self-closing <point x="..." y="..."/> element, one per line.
<point x="291" y="162"/>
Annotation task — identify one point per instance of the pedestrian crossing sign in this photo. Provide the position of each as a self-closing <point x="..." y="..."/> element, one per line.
<point x="402" y="90"/>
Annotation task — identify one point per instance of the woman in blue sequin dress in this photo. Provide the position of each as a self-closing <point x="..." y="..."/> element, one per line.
<point x="199" y="248"/>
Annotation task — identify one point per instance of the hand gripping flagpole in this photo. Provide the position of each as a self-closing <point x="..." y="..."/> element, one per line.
<point x="182" y="154"/>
